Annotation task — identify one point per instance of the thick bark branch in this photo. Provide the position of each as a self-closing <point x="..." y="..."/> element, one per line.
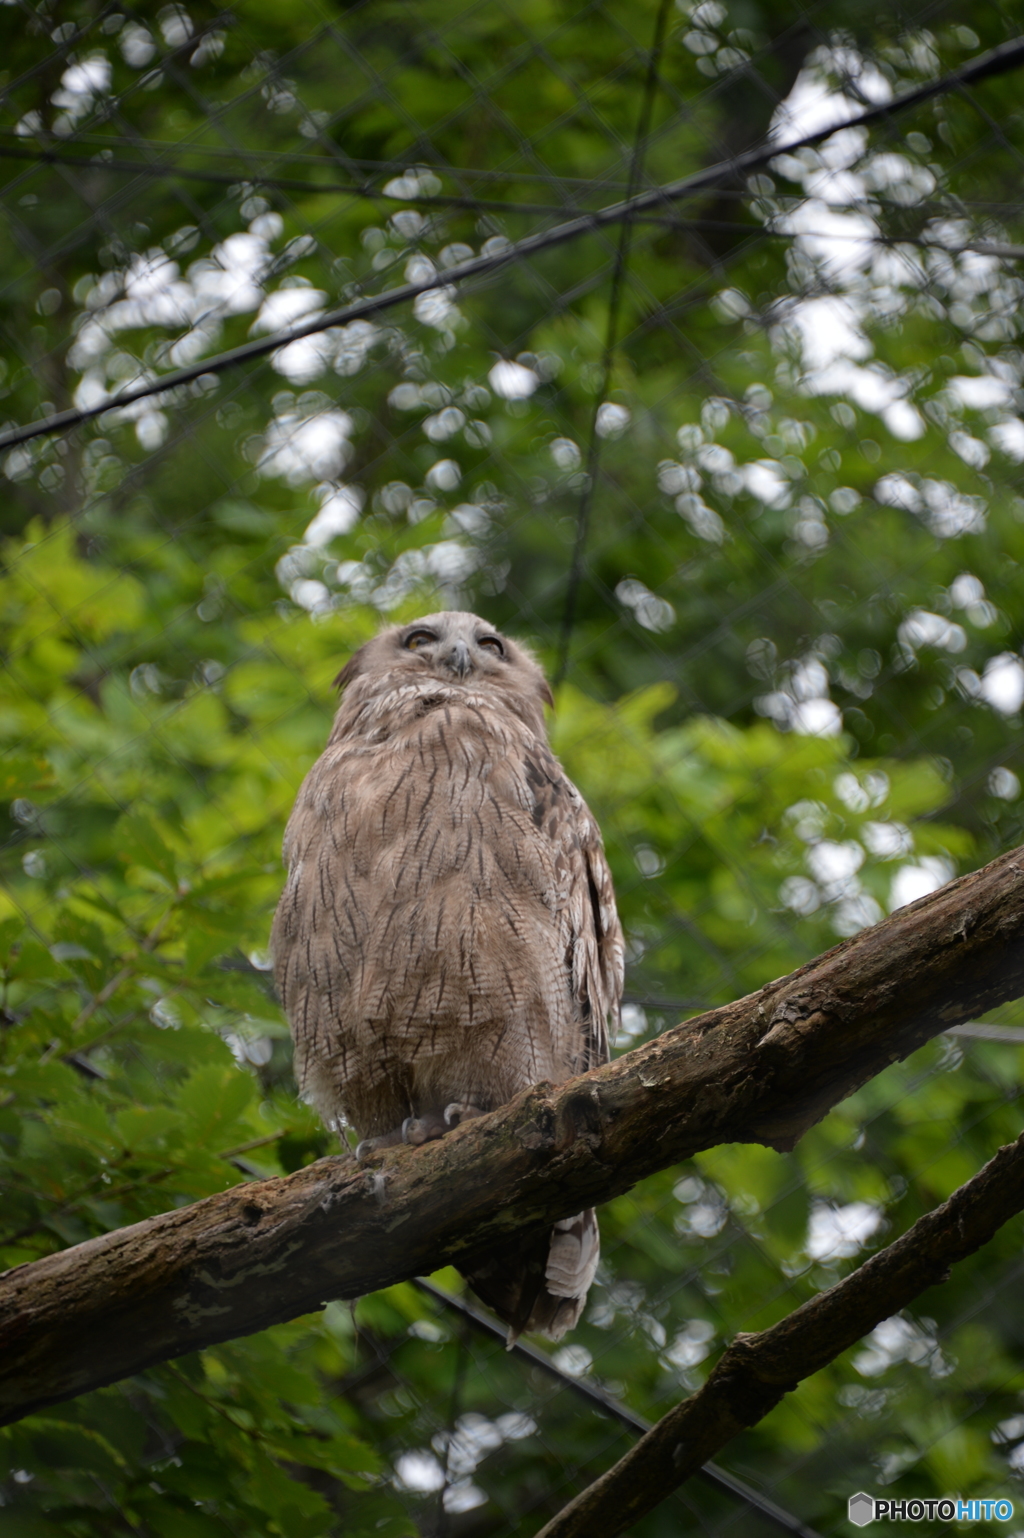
<point x="762" y="1069"/>
<point x="756" y="1371"/>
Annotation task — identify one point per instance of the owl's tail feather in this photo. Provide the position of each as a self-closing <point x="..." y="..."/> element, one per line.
<point x="540" y="1284"/>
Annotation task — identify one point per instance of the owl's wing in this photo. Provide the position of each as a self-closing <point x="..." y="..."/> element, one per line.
<point x="598" y="952"/>
<point x="318" y="935"/>
<point x="595" y="953"/>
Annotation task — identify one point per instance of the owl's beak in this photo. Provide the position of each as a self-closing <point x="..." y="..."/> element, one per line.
<point x="459" y="660"/>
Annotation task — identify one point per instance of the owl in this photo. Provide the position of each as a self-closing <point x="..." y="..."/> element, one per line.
<point x="447" y="935"/>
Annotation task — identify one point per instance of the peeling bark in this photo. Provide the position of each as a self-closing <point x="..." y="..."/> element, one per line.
<point x="762" y="1069"/>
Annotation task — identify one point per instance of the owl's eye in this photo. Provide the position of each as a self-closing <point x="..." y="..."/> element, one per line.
<point x="419" y="639"/>
<point x="490" y="643"/>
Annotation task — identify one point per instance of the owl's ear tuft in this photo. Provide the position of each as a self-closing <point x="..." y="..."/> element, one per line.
<point x="353" y="667"/>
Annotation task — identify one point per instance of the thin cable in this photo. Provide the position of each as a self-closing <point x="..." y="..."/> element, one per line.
<point x="274" y="183"/>
<point x="609" y="1405"/>
<point x="997" y="61"/>
<point x="975" y="1030"/>
<point x="297" y="157"/>
<point x="610" y="339"/>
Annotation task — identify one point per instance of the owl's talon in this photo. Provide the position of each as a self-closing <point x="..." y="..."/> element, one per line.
<point x="461" y="1110"/>
<point x="372" y="1145"/>
<point x="417" y="1130"/>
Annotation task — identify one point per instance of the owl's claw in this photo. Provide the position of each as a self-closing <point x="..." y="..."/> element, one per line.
<point x="372" y="1145"/>
<point x="418" y="1130"/>
<point x="460" y="1111"/>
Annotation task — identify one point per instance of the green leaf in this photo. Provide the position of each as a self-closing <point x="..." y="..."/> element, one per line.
<point x="212" y="1099"/>
<point x="142" y="1127"/>
<point x="141" y="843"/>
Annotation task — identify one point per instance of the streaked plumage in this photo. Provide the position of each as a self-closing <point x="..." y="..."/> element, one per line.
<point x="447" y="935"/>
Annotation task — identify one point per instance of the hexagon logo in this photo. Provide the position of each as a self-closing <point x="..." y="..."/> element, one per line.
<point x="861" y="1509"/>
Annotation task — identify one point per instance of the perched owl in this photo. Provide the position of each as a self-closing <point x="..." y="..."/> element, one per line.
<point x="447" y="935"/>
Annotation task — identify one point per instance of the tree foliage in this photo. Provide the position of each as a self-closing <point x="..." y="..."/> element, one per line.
<point x="793" y="696"/>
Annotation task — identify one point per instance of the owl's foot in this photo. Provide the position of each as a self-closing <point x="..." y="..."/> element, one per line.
<point x="372" y="1145"/>
<point x="418" y="1130"/>
<point x="460" y="1111"/>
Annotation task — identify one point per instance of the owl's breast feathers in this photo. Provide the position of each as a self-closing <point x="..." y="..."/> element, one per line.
<point x="426" y="782"/>
<point x="447" y="895"/>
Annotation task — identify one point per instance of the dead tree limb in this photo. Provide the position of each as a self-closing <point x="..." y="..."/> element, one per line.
<point x="757" y="1371"/>
<point x="762" y="1069"/>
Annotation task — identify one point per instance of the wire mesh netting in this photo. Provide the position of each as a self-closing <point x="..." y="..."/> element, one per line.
<point x="663" y="335"/>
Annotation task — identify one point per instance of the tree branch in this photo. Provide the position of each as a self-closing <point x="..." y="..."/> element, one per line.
<point x="762" y="1069"/>
<point x="757" y="1371"/>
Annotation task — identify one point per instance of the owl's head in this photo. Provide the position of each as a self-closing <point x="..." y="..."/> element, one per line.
<point x="453" y="648"/>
